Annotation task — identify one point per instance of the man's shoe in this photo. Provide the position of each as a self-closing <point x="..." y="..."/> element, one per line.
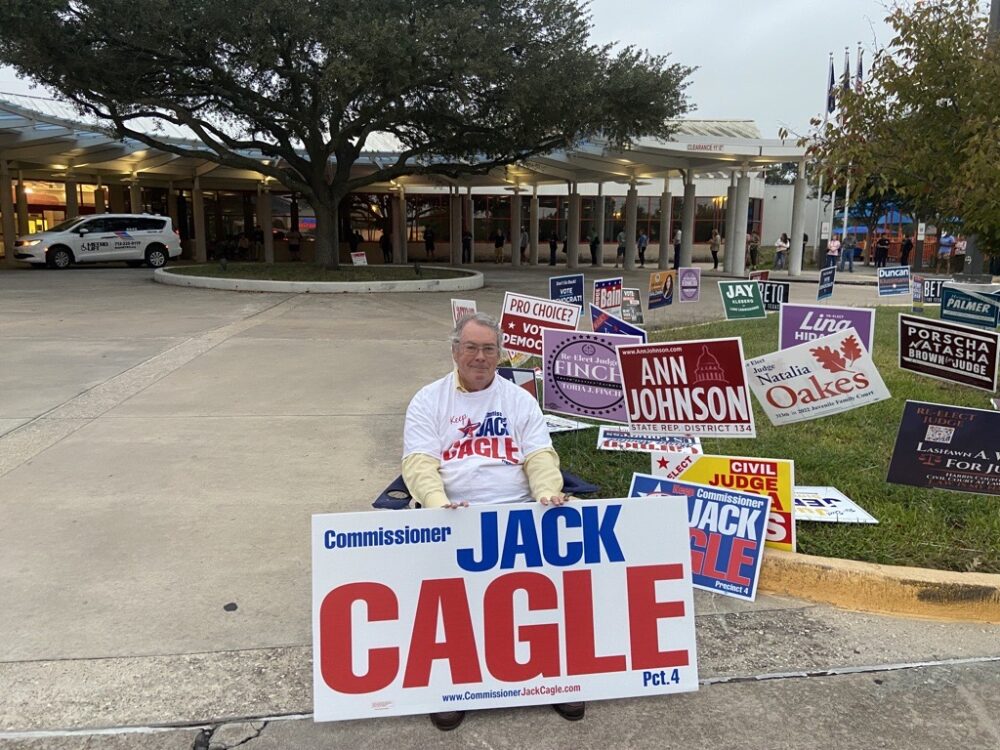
<point x="570" y="711"/>
<point x="448" y="720"/>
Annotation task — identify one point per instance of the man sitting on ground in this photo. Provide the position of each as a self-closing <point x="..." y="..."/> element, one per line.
<point x="517" y="464"/>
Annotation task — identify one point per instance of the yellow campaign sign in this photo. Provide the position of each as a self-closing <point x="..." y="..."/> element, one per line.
<point x="774" y="477"/>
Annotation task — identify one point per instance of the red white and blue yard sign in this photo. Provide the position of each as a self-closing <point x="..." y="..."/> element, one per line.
<point x="727" y="533"/>
<point x="424" y="611"/>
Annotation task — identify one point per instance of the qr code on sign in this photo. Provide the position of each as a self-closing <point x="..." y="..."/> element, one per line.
<point x="937" y="434"/>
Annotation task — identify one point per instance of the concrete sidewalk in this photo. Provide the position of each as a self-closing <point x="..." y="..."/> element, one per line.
<point x="162" y="450"/>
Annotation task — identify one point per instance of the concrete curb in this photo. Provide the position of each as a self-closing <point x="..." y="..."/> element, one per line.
<point x="886" y="589"/>
<point x="472" y="280"/>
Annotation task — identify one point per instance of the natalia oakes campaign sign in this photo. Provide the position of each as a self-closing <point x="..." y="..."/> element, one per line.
<point x="947" y="448"/>
<point x="423" y="611"/>
<point x="800" y="323"/>
<point x="817" y="379"/>
<point x="581" y="374"/>
<point x="524" y="318"/>
<point x="687" y="388"/>
<point x="726" y="532"/>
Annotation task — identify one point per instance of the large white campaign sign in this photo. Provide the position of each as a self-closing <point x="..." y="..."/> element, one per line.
<point x="816" y="379"/>
<point x="506" y="605"/>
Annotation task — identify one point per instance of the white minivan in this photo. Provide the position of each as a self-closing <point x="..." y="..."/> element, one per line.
<point x="102" y="238"/>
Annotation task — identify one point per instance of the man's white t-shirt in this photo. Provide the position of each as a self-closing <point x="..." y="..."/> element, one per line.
<point x="481" y="438"/>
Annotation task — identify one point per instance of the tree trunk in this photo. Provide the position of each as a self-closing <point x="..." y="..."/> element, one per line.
<point x="327" y="236"/>
<point x="869" y="242"/>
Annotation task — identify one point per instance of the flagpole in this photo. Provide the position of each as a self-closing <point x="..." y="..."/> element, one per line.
<point x="819" y="204"/>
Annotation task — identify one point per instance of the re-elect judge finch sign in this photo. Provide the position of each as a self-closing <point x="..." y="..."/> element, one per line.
<point x="507" y="605"/>
<point x="687" y="388"/>
<point x="524" y="318"/>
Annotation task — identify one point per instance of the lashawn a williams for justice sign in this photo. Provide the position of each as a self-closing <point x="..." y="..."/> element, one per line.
<point x="687" y="388"/>
<point x="947" y="448"/>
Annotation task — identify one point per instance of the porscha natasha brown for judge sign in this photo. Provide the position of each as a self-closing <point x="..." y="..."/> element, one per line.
<point x="949" y="351"/>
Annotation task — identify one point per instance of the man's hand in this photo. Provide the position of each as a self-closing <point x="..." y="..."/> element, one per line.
<point x="554" y="500"/>
<point x="463" y="504"/>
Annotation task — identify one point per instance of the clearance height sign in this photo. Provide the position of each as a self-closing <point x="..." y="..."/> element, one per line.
<point x="510" y="605"/>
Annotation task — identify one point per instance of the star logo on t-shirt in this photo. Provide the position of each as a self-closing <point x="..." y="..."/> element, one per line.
<point x="469" y="428"/>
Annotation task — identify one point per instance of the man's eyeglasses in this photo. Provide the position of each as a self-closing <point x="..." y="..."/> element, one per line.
<point x="489" y="350"/>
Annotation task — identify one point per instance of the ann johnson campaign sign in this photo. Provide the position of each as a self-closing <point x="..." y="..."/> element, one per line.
<point x="608" y="294"/>
<point x="893" y="281"/>
<point x="800" y="323"/>
<point x="726" y="532"/>
<point x="424" y="611"/>
<point x="687" y="388"/>
<point x="742" y="299"/>
<point x="773" y="477"/>
<point x="949" y="351"/>
<point x="567" y="289"/>
<point x="581" y="374"/>
<point x="816" y="379"/>
<point x="947" y="448"/>
<point x="524" y="318"/>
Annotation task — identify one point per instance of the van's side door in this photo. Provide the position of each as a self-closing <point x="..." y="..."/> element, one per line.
<point x="96" y="243"/>
<point x="126" y="243"/>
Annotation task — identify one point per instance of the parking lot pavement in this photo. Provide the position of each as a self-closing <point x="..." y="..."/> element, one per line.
<point x="161" y="452"/>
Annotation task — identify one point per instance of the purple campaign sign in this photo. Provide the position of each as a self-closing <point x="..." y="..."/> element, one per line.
<point x="581" y="374"/>
<point x="800" y="323"/>
<point x="689" y="280"/>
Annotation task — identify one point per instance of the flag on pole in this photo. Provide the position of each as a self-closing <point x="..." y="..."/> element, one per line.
<point x="831" y="90"/>
<point x="859" y="74"/>
<point x="846" y="81"/>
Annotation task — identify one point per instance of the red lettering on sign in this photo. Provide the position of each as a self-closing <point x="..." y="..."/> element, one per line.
<point x="580" y="646"/>
<point x="644" y="612"/>
<point x="446" y="595"/>
<point x="502" y="635"/>
<point x="335" y="638"/>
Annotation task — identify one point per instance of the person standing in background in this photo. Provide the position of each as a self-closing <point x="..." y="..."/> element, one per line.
<point x="677" y="247"/>
<point x="781" y="251"/>
<point x="904" y="251"/>
<point x="642" y="244"/>
<point x="553" y="247"/>
<point x="714" y="245"/>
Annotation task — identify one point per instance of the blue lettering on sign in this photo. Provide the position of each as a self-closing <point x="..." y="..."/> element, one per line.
<point x="520" y="539"/>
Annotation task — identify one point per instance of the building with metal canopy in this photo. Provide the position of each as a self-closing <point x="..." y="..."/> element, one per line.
<point x="55" y="164"/>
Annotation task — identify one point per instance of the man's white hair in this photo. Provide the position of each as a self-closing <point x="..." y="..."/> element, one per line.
<point x="482" y="319"/>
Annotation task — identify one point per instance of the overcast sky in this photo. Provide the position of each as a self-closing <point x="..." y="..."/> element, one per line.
<point x="765" y="60"/>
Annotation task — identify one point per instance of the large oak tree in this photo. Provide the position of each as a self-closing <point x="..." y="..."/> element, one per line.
<point x="295" y="90"/>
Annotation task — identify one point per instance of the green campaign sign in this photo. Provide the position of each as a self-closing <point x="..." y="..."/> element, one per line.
<point x="742" y="299"/>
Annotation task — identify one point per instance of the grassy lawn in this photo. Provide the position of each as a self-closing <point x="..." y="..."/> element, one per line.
<point x="850" y="451"/>
<point x="309" y="272"/>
